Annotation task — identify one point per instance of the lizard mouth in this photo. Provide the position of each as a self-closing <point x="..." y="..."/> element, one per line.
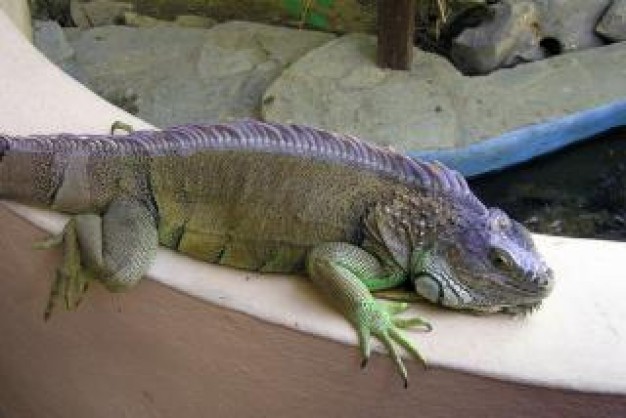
<point x="515" y="296"/>
<point x="531" y="285"/>
<point x="522" y="309"/>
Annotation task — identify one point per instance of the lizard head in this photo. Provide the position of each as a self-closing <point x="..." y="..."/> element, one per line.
<point x="484" y="263"/>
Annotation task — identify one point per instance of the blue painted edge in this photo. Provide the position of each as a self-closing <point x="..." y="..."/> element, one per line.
<point x="529" y="141"/>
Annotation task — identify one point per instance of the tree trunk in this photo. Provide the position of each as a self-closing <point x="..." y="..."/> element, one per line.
<point x="396" y="25"/>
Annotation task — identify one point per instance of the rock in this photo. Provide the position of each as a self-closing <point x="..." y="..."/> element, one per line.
<point x="571" y="23"/>
<point x="184" y="21"/>
<point x="50" y="39"/>
<point x="511" y="36"/>
<point x="338" y="87"/>
<point x="140" y="21"/>
<point x="527" y="30"/>
<point x="613" y="24"/>
<point x="57" y="10"/>
<point x="170" y="75"/>
<point x="193" y="21"/>
<point x="124" y="65"/>
<point x="98" y="13"/>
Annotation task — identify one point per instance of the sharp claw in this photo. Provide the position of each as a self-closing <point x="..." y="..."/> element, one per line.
<point x="70" y="282"/>
<point x="406" y="383"/>
<point x="404" y="342"/>
<point x="121" y="126"/>
<point x="48" y="243"/>
<point x="395" y="307"/>
<point x="386" y="339"/>
<point x="413" y="322"/>
<point x="364" y="363"/>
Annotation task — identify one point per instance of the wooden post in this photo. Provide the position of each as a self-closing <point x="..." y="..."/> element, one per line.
<point x="396" y="26"/>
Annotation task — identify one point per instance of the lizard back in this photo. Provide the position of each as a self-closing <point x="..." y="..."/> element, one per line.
<point x="248" y="194"/>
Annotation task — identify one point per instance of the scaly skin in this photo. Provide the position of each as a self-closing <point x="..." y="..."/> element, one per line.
<point x="277" y="198"/>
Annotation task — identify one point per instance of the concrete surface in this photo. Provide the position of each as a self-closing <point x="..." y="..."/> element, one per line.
<point x="19" y="13"/>
<point x="156" y="352"/>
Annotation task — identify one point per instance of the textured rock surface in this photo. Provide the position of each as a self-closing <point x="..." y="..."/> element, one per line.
<point x="338" y="87"/>
<point x="510" y="37"/>
<point x="140" y="21"/>
<point x="572" y="22"/>
<point x="98" y="13"/>
<point x="528" y="30"/>
<point x="613" y="23"/>
<point x="50" y="38"/>
<point x="193" y="21"/>
<point x="169" y="75"/>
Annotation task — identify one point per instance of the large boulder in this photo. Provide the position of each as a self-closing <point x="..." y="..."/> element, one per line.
<point x="613" y="23"/>
<point x="509" y="37"/>
<point x="571" y="22"/>
<point x="527" y="30"/>
<point x="169" y="75"/>
<point x="50" y="39"/>
<point x="98" y="12"/>
<point x="433" y="106"/>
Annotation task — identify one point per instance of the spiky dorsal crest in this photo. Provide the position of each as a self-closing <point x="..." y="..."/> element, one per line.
<point x="288" y="139"/>
<point x="344" y="149"/>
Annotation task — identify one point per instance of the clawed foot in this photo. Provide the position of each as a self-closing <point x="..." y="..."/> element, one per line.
<point x="118" y="125"/>
<point x="380" y="319"/>
<point x="71" y="281"/>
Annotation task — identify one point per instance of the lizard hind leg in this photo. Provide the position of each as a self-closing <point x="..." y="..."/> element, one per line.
<point x="116" y="248"/>
<point x="71" y="279"/>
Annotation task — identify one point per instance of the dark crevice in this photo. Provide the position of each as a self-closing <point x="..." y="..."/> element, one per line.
<point x="551" y="46"/>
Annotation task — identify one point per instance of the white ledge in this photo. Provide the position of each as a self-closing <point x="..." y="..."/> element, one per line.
<point x="576" y="341"/>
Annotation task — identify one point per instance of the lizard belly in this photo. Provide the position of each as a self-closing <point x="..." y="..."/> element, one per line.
<point x="256" y="211"/>
<point x="260" y="239"/>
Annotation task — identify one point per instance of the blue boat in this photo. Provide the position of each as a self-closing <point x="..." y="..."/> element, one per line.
<point x="528" y="142"/>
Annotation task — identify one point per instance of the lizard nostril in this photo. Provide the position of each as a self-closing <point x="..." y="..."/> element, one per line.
<point x="542" y="278"/>
<point x="545" y="280"/>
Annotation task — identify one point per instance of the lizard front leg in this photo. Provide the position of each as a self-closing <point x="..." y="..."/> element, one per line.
<point x="346" y="273"/>
<point x="116" y="248"/>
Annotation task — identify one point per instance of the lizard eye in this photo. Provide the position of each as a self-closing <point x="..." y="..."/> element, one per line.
<point x="500" y="259"/>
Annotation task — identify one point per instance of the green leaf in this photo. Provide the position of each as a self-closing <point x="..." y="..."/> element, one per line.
<point x="325" y="3"/>
<point x="294" y="7"/>
<point x="317" y="20"/>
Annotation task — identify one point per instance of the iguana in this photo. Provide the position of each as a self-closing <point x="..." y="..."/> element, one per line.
<point x="270" y="197"/>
